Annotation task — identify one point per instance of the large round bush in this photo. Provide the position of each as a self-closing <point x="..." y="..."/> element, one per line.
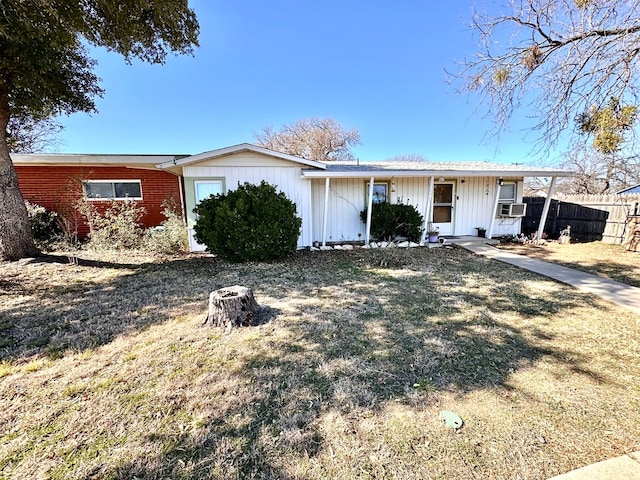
<point x="254" y="222"/>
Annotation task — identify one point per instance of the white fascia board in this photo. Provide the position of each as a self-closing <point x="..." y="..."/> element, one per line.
<point x="243" y="147"/>
<point x="90" y="159"/>
<point x="435" y="173"/>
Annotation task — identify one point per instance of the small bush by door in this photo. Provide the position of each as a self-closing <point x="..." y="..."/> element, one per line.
<point x="394" y="220"/>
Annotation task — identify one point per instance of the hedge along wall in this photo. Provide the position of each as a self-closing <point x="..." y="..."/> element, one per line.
<point x="58" y="187"/>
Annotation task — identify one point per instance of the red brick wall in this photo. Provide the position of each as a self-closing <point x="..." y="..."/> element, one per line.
<point x="56" y="187"/>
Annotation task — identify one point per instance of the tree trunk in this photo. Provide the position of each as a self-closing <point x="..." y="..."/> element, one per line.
<point x="232" y="307"/>
<point x="16" y="240"/>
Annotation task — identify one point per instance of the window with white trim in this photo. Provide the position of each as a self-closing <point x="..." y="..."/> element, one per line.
<point x="508" y="193"/>
<point x="113" y="189"/>
<point x="206" y="188"/>
<point x="380" y="192"/>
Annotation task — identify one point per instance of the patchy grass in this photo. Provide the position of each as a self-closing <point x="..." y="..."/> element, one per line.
<point x="599" y="258"/>
<point x="359" y="353"/>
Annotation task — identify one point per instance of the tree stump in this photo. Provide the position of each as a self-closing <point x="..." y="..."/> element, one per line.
<point x="232" y="307"/>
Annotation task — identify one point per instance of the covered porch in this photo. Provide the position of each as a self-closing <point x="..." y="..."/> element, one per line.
<point x="455" y="198"/>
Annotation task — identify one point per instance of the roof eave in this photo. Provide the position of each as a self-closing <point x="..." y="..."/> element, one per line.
<point x="149" y="161"/>
<point x="243" y="147"/>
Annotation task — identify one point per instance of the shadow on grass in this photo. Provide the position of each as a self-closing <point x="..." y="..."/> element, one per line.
<point x="620" y="272"/>
<point x="610" y="270"/>
<point x="363" y="329"/>
<point x="56" y="311"/>
<point x="75" y="260"/>
<point x="359" y="337"/>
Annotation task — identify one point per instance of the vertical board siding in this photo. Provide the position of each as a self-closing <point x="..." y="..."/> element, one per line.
<point x="57" y="187"/>
<point x="473" y="205"/>
<point x="286" y="179"/>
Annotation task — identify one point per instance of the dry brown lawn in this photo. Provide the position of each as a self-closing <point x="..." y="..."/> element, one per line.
<point x="108" y="373"/>
<point x="603" y="259"/>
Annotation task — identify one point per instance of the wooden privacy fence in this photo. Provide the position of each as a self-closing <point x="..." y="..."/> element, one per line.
<point x="591" y="217"/>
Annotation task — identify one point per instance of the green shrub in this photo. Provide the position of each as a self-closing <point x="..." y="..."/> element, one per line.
<point x="171" y="236"/>
<point x="117" y="228"/>
<point x="253" y="222"/>
<point x="389" y="221"/>
<point x="45" y="227"/>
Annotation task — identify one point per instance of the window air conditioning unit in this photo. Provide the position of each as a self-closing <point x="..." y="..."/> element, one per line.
<point x="512" y="209"/>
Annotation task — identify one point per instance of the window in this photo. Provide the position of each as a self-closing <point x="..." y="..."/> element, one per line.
<point x="508" y="193"/>
<point x="380" y="192"/>
<point x="113" y="189"/>
<point x="507" y="206"/>
<point x="205" y="188"/>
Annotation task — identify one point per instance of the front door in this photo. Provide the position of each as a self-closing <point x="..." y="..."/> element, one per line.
<point x="202" y="190"/>
<point x="443" y="202"/>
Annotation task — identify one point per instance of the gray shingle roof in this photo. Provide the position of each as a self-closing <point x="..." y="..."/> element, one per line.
<point x="418" y="168"/>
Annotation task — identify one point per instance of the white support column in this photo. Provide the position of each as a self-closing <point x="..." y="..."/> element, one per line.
<point x="428" y="211"/>
<point x="494" y="210"/>
<point x="310" y="223"/>
<point x="326" y="211"/>
<point x="367" y="236"/>
<point x="545" y="209"/>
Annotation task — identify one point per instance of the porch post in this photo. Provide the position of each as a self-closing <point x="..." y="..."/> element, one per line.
<point x="545" y="208"/>
<point x="183" y="206"/>
<point x="367" y="236"/>
<point x="311" y="220"/>
<point x="428" y="211"/>
<point x="496" y="200"/>
<point x="326" y="211"/>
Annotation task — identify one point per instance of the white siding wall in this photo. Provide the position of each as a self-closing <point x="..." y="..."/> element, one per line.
<point x="474" y="202"/>
<point x="346" y="200"/>
<point x="473" y="205"/>
<point x="286" y="178"/>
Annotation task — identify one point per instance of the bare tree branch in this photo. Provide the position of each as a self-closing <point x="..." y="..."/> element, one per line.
<point x="560" y="57"/>
<point x="26" y="134"/>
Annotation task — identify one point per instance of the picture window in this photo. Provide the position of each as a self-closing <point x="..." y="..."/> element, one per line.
<point x="113" y="189"/>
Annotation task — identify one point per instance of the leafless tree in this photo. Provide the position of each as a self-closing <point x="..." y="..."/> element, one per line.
<point x="597" y="172"/>
<point x="594" y="173"/>
<point x="556" y="57"/>
<point x="410" y="157"/>
<point x="26" y="134"/>
<point x="321" y="139"/>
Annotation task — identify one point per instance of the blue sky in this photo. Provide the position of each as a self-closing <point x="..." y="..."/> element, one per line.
<point x="375" y="65"/>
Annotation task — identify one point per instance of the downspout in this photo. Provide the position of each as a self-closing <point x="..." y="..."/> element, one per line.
<point x="545" y="209"/>
<point x="369" y="209"/>
<point x="326" y="211"/>
<point x="496" y="200"/>
<point x="428" y="211"/>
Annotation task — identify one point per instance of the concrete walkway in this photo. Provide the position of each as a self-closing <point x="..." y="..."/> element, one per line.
<point x="626" y="467"/>
<point x="615" y="292"/>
